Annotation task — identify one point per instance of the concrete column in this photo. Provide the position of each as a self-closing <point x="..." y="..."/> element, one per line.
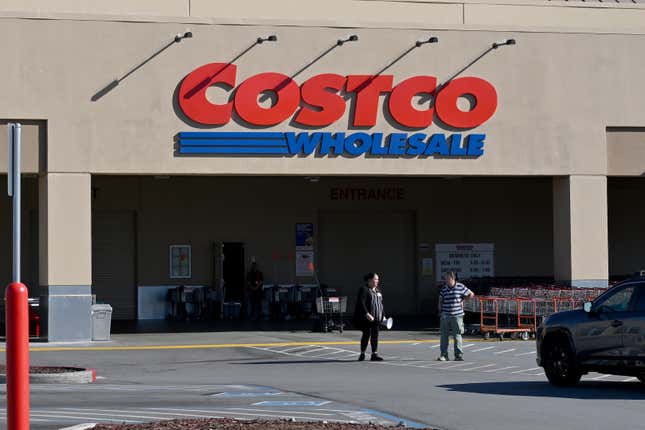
<point x="66" y="255"/>
<point x="580" y="235"/>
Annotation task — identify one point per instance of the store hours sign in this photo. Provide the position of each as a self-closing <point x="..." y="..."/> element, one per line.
<point x="468" y="260"/>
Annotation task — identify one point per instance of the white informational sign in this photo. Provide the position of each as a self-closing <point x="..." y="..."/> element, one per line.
<point x="305" y="263"/>
<point x="468" y="260"/>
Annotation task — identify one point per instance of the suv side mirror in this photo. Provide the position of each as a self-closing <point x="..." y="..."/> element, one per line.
<point x="587" y="307"/>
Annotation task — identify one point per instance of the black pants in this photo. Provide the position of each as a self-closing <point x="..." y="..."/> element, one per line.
<point x="370" y="335"/>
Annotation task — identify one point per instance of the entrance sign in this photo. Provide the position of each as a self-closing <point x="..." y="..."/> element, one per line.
<point x="468" y="260"/>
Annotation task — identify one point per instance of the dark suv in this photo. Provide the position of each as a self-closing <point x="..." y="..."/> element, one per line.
<point x="607" y="336"/>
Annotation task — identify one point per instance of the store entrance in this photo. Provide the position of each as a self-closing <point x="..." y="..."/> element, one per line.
<point x="233" y="271"/>
<point x="355" y="243"/>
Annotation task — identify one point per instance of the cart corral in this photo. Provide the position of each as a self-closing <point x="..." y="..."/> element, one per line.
<point x="518" y="312"/>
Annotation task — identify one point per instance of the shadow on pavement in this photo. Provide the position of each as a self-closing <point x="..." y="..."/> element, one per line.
<point x="585" y="390"/>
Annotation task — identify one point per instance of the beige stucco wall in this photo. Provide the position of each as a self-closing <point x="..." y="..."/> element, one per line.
<point x="65" y="229"/>
<point x="555" y="97"/>
<point x="580" y="229"/>
<point x="596" y="16"/>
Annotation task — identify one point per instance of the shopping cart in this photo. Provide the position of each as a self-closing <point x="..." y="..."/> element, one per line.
<point x="331" y="310"/>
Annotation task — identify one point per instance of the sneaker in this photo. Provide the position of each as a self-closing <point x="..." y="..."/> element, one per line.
<point x="376" y="357"/>
<point x="361" y="357"/>
<point x="442" y="358"/>
<point x="459" y="358"/>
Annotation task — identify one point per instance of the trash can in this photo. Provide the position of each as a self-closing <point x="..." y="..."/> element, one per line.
<point x="101" y="321"/>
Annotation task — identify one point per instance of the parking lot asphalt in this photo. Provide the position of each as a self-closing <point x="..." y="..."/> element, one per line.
<point x="308" y="376"/>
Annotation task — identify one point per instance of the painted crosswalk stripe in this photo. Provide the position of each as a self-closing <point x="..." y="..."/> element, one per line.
<point x="505" y="351"/>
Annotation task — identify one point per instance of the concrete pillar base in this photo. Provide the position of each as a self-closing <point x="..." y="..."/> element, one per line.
<point x="67" y="313"/>
<point x="586" y="283"/>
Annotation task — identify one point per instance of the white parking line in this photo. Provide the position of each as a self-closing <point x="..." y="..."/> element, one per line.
<point x="468" y="345"/>
<point x="483" y="349"/>
<point x="253" y="415"/>
<point x="526" y="370"/>
<point x="328" y="353"/>
<point x="500" y="369"/>
<point x="457" y="365"/>
<point x="478" y="367"/>
<point x="74" y="417"/>
<point x="92" y="413"/>
<point x="435" y="346"/>
<point x="336" y="410"/>
<point x="525" y="353"/>
<point x="117" y="413"/>
<point x="505" y="351"/>
<point x="281" y="412"/>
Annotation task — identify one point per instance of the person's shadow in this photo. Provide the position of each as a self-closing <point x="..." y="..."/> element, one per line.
<point x="585" y="390"/>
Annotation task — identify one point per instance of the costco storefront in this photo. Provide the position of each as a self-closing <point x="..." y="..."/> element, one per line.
<point x="319" y="152"/>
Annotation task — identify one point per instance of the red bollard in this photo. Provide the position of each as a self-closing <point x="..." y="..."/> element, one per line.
<point x="17" y="324"/>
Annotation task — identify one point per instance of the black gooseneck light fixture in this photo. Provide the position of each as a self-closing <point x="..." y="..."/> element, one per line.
<point x="185" y="35"/>
<point x="431" y="39"/>
<point x="507" y="42"/>
<point x="272" y="38"/>
<point x="496" y="45"/>
<point x="115" y="82"/>
<point x="352" y="38"/>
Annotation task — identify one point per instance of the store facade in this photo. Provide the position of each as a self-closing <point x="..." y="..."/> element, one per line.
<point x="152" y="143"/>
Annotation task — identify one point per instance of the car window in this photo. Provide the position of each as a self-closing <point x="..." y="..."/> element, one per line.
<point x="617" y="301"/>
<point x="639" y="305"/>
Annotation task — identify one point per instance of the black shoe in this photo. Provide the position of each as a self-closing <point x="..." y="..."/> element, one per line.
<point x="459" y="358"/>
<point x="361" y="357"/>
<point x="376" y="357"/>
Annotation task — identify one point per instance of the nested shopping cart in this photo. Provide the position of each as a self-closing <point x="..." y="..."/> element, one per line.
<point x="331" y="310"/>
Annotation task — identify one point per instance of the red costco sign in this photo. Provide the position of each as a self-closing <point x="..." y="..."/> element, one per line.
<point x="319" y="102"/>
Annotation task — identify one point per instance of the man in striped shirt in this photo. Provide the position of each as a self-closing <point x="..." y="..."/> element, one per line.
<point x="451" y="309"/>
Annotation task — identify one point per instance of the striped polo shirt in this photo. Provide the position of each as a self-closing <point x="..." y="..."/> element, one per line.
<point x="452" y="299"/>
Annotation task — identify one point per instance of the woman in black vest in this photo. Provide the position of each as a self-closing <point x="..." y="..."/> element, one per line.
<point x="368" y="315"/>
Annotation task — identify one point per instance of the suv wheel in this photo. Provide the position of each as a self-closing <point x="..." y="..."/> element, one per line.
<point x="560" y="363"/>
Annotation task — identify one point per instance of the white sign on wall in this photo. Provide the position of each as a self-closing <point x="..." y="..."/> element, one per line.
<point x="468" y="260"/>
